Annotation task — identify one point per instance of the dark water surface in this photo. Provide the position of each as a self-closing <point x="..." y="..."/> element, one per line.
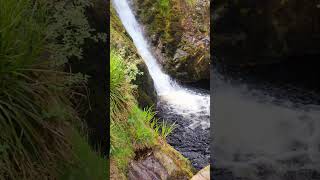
<point x="265" y="127"/>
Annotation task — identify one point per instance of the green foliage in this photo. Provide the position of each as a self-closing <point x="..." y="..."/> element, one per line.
<point x="191" y="2"/>
<point x="130" y="127"/>
<point x="163" y="129"/>
<point x="163" y="20"/>
<point x="166" y="129"/>
<point x="87" y="165"/>
<point x="148" y="126"/>
<point x="125" y="48"/>
<point x="121" y="99"/>
<point x="67" y="29"/>
<point x="164" y="6"/>
<point x="121" y="146"/>
<point x="143" y="135"/>
<point x="121" y="103"/>
<point x="22" y="35"/>
<point x="36" y="99"/>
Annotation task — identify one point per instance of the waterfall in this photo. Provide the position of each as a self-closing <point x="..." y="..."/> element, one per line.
<point x="183" y="101"/>
<point x="262" y="131"/>
<point x="162" y="81"/>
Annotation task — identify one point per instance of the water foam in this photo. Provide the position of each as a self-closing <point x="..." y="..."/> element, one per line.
<point x="251" y="131"/>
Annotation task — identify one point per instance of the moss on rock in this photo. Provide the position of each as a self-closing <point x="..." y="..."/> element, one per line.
<point x="182" y="26"/>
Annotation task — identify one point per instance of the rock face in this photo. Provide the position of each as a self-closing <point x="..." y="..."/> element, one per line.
<point x="204" y="174"/>
<point x="253" y="32"/>
<point x="146" y="92"/>
<point x="149" y="168"/>
<point x="162" y="163"/>
<point x="179" y="34"/>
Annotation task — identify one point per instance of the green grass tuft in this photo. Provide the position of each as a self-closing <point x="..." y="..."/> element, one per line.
<point x="36" y="98"/>
<point x="143" y="135"/>
<point x="121" y="100"/>
<point x="166" y="129"/>
<point x="88" y="163"/>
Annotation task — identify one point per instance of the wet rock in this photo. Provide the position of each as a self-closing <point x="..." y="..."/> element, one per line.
<point x="191" y="143"/>
<point x="264" y="31"/>
<point x="146" y="92"/>
<point x="204" y="174"/>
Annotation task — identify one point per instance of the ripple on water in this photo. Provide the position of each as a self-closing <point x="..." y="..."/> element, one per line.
<point x="258" y="137"/>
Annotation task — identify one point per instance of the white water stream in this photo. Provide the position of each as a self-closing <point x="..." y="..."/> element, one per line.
<point x="182" y="101"/>
<point x="251" y="132"/>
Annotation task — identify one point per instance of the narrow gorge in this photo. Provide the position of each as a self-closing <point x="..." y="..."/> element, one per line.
<point x="181" y="100"/>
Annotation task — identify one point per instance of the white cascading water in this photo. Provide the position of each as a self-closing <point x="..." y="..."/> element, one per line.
<point x="252" y="131"/>
<point x="183" y="101"/>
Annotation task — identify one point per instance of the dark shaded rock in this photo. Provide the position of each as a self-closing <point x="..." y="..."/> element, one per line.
<point x="146" y="92"/>
<point x="290" y="78"/>
<point x="248" y="31"/>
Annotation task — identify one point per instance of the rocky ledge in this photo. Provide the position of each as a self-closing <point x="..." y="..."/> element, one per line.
<point x="179" y="35"/>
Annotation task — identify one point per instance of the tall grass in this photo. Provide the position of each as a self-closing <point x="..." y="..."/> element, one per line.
<point x="161" y="128"/>
<point x="143" y="135"/>
<point x="121" y="99"/>
<point x="87" y="164"/>
<point x="36" y="106"/>
<point x="164" y="6"/>
<point x="121" y="103"/>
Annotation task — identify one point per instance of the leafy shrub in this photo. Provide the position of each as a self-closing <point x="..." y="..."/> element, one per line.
<point x="67" y="30"/>
<point x="36" y="98"/>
